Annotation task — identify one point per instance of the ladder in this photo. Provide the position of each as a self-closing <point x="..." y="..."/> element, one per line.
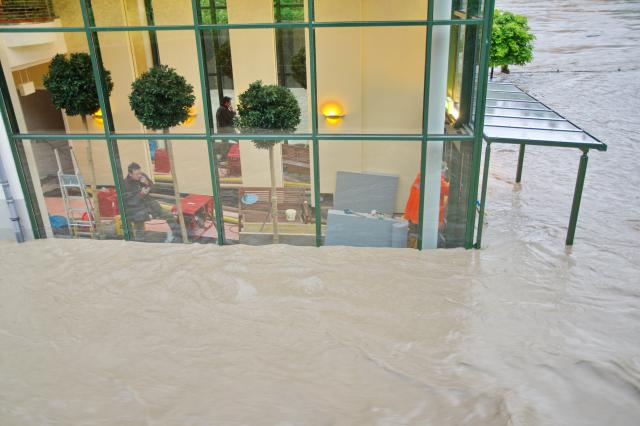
<point x="80" y="217"/>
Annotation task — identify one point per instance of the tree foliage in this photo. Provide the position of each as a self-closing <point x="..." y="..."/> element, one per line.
<point x="511" y="40"/>
<point x="223" y="59"/>
<point x="160" y="98"/>
<point x="268" y="108"/>
<point x="299" y="67"/>
<point x="72" y="86"/>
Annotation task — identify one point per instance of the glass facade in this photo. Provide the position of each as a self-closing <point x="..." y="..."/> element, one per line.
<point x="325" y="122"/>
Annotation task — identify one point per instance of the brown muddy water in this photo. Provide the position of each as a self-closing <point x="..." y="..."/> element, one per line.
<point x="522" y="332"/>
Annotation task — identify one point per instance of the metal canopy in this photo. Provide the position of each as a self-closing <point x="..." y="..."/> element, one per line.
<point x="513" y="116"/>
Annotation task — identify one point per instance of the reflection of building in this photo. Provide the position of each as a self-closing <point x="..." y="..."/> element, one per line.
<point x="362" y="99"/>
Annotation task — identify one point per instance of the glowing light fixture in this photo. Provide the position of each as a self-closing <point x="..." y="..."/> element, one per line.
<point x="192" y="116"/>
<point x="451" y="109"/>
<point x="332" y="112"/>
<point x="97" y="117"/>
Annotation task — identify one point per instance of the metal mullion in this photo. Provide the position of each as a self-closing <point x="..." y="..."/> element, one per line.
<point x="314" y="120"/>
<point x="479" y="121"/>
<point x="425" y="121"/>
<point x="11" y="126"/>
<point x="204" y="87"/>
<point x="103" y="100"/>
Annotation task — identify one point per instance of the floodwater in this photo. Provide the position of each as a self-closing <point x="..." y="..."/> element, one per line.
<point x="523" y="332"/>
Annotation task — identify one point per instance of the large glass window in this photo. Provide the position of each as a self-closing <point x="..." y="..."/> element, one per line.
<point x="368" y="82"/>
<point x="238" y="164"/>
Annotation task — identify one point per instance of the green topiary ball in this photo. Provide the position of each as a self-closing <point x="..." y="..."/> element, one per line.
<point x="267" y="108"/>
<point x="160" y="98"/>
<point x="71" y="84"/>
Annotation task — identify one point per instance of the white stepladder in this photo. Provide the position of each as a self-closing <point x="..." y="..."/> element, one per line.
<point x="80" y="216"/>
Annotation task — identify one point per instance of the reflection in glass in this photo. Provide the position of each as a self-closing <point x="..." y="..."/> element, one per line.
<point x="245" y="192"/>
<point x="167" y="191"/>
<point x="370" y="193"/>
<point x="375" y="77"/>
<point x="129" y="54"/>
<point x="73" y="184"/>
<point x="238" y="58"/>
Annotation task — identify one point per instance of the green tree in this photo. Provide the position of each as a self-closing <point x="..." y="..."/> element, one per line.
<point x="511" y="41"/>
<point x="73" y="89"/>
<point x="299" y="67"/>
<point x="268" y="108"/>
<point x="161" y="98"/>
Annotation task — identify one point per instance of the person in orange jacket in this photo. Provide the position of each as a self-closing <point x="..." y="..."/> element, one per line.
<point x="412" y="208"/>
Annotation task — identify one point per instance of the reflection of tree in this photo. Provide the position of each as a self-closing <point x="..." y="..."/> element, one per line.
<point x="223" y="59"/>
<point x="299" y="67"/>
<point x="269" y="108"/>
<point x="72" y="87"/>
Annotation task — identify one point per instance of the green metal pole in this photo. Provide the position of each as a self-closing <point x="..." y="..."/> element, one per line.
<point x="520" y="163"/>
<point x="314" y="121"/>
<point x="11" y="127"/>
<point x="577" y="197"/>
<point x="98" y="75"/>
<point x="483" y="196"/>
<point x="481" y="101"/>
<point x="425" y="122"/>
<point x="206" y="104"/>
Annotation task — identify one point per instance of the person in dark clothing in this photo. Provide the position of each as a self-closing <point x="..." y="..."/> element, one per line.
<point x="224" y="119"/>
<point x="140" y="206"/>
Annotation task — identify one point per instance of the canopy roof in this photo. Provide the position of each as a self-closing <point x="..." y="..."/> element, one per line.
<point x="512" y="116"/>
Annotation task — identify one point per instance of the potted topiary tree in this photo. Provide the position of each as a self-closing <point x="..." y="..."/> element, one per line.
<point x="511" y="41"/>
<point x="73" y="89"/>
<point x="161" y="98"/>
<point x="268" y="109"/>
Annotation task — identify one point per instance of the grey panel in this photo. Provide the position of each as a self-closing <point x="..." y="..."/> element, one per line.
<point x="515" y="104"/>
<point x="560" y="137"/>
<point x="509" y="96"/>
<point x="364" y="230"/>
<point x="530" y="123"/>
<point x="363" y="192"/>
<point x="525" y="113"/>
<point x="505" y="87"/>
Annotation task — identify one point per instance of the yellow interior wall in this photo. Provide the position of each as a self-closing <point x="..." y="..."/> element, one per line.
<point x="379" y="86"/>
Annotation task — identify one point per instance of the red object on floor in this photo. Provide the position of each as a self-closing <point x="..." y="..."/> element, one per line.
<point x="161" y="160"/>
<point x="108" y="203"/>
<point x="198" y="213"/>
<point x="233" y="160"/>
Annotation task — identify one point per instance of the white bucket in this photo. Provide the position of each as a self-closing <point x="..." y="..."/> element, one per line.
<point x="291" y="214"/>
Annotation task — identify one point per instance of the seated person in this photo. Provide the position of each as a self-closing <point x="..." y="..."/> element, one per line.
<point x="140" y="206"/>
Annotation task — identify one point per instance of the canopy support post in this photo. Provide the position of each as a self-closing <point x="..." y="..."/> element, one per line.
<point x="483" y="193"/>
<point x="577" y="196"/>
<point x="520" y="163"/>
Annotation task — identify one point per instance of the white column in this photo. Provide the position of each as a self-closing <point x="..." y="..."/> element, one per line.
<point x="437" y="98"/>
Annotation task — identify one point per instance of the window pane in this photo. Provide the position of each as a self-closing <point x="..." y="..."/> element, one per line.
<point x="130" y="54"/>
<point x="131" y="12"/>
<point x="246" y="186"/>
<point x="454" y="54"/>
<point x="73" y="187"/>
<point x="58" y="13"/>
<point x="54" y="104"/>
<point x="358" y="177"/>
<point x="256" y="11"/>
<point x="248" y="63"/>
<point x="370" y="10"/>
<point x="161" y="175"/>
<point x="364" y="75"/>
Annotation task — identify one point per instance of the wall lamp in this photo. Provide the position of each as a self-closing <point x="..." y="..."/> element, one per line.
<point x="97" y="117"/>
<point x="332" y="112"/>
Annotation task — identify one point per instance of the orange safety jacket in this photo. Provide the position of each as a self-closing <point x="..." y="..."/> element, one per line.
<point x="412" y="209"/>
